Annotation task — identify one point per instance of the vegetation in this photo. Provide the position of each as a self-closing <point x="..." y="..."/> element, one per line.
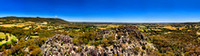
<point x="28" y="34"/>
<point x="175" y="41"/>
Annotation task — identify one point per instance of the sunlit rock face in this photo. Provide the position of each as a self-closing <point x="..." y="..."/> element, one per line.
<point x="127" y="41"/>
<point x="57" y="45"/>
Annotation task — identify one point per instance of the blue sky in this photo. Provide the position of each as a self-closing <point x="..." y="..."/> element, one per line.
<point x="105" y="10"/>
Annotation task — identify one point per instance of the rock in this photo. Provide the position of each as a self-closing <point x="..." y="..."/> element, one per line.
<point x="62" y="45"/>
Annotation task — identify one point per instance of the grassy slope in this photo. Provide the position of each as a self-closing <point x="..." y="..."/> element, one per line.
<point x="9" y="38"/>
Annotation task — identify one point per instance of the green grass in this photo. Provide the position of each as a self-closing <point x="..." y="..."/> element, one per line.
<point x="141" y="27"/>
<point x="10" y="37"/>
<point x="34" y="36"/>
<point x="2" y="35"/>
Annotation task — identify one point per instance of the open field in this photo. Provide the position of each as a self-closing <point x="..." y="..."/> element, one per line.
<point x="105" y="26"/>
<point x="34" y="36"/>
<point x="12" y="25"/>
<point x="10" y="37"/>
<point x="2" y="35"/>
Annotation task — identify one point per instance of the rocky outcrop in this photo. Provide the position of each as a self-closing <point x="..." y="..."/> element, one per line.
<point x="124" y="44"/>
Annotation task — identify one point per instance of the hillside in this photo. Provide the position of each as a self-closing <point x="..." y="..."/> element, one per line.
<point x="13" y="19"/>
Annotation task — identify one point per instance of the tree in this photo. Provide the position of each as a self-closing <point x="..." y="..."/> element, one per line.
<point x="6" y="38"/>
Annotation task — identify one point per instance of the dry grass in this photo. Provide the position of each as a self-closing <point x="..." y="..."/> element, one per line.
<point x="107" y="26"/>
<point x="1" y="22"/>
<point x="101" y="28"/>
<point x="12" y="25"/>
<point x="168" y="27"/>
<point x="198" y="33"/>
<point x="112" y="25"/>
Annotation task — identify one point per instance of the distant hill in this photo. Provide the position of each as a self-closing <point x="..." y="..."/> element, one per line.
<point x="191" y="23"/>
<point x="32" y="19"/>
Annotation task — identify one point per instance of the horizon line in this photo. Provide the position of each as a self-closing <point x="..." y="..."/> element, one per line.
<point x="88" y="21"/>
